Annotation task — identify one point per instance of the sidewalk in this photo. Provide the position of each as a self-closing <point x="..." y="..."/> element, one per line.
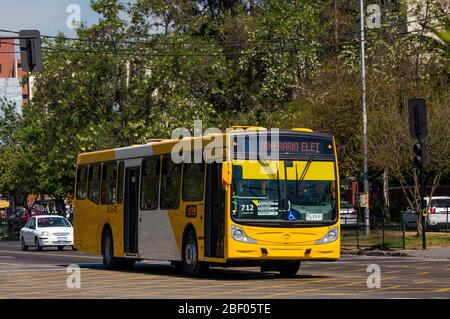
<point x="432" y="253"/>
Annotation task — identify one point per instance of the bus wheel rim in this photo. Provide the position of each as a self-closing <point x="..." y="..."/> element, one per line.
<point x="191" y="253"/>
<point x="108" y="249"/>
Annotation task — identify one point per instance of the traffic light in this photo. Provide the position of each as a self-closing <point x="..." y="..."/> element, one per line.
<point x="419" y="159"/>
<point x="31" y="50"/>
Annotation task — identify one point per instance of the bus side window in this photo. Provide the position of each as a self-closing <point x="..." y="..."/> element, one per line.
<point x="170" y="184"/>
<point x="94" y="183"/>
<point x="109" y="183"/>
<point x="81" y="182"/>
<point x="120" y="183"/>
<point x="150" y="183"/>
<point x="193" y="182"/>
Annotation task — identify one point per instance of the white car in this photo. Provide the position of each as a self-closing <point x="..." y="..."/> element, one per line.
<point x="46" y="231"/>
<point x="438" y="215"/>
<point x="349" y="215"/>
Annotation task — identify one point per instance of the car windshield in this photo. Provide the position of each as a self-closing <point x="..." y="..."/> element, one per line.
<point x="441" y="202"/>
<point x="53" y="222"/>
<point x="291" y="199"/>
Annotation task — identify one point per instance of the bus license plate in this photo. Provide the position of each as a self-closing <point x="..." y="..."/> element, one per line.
<point x="314" y="217"/>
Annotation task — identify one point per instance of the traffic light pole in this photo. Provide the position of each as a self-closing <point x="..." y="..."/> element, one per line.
<point x="418" y="131"/>
<point x="422" y="206"/>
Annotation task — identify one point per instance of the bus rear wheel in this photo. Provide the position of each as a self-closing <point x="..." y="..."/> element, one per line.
<point x="191" y="265"/>
<point x="289" y="269"/>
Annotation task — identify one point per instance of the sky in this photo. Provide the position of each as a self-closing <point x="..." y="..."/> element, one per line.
<point x="47" y="16"/>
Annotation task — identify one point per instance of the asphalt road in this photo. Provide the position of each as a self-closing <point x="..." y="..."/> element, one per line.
<point x="34" y="274"/>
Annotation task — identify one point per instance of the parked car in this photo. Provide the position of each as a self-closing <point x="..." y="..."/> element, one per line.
<point x="349" y="215"/>
<point x="438" y="213"/>
<point x="46" y="231"/>
<point x="38" y="213"/>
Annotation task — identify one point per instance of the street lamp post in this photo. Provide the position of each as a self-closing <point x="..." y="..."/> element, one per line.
<point x="364" y="132"/>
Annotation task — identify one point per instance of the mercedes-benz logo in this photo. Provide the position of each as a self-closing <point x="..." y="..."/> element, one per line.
<point x="286" y="237"/>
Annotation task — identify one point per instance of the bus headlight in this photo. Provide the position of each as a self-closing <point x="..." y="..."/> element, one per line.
<point x="330" y="236"/>
<point x="239" y="235"/>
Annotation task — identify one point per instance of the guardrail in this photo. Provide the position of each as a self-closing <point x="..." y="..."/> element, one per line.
<point x="386" y="231"/>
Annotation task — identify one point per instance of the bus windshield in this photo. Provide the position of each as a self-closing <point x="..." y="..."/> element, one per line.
<point x="284" y="192"/>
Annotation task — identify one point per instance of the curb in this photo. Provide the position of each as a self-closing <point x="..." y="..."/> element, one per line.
<point x="375" y="253"/>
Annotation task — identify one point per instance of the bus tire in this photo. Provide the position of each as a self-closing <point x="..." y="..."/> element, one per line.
<point x="191" y="265"/>
<point x="109" y="261"/>
<point x="289" y="269"/>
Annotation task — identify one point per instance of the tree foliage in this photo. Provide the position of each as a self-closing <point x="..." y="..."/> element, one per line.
<point x="151" y="66"/>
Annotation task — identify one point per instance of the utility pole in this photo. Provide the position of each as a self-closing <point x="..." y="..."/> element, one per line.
<point x="364" y="132"/>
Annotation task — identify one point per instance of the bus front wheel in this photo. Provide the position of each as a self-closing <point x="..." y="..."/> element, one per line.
<point x="109" y="261"/>
<point x="289" y="269"/>
<point x="191" y="265"/>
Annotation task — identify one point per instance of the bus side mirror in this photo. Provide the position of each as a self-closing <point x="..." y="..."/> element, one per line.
<point x="226" y="173"/>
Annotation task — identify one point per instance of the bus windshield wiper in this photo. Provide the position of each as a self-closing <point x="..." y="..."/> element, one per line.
<point x="305" y="170"/>
<point x="272" y="175"/>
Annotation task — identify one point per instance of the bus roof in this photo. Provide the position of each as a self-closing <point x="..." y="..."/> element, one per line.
<point x="165" y="146"/>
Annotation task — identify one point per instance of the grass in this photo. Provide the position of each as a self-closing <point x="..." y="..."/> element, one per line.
<point x="393" y="239"/>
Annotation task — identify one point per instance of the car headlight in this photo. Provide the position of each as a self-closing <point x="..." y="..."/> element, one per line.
<point x="239" y="235"/>
<point x="45" y="233"/>
<point x="330" y="236"/>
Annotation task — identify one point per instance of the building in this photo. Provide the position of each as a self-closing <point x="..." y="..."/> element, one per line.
<point x="14" y="85"/>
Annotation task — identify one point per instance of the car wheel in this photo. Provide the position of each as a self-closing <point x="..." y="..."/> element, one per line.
<point x="74" y="249"/>
<point x="60" y="248"/>
<point x="37" y="245"/>
<point x="289" y="269"/>
<point x="191" y="265"/>
<point x="22" y="244"/>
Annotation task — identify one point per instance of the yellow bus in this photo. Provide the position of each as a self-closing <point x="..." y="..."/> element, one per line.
<point x="234" y="207"/>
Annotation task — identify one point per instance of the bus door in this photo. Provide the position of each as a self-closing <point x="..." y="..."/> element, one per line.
<point x="131" y="211"/>
<point x="214" y="212"/>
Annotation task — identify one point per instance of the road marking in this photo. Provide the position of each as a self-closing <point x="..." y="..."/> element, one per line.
<point x="384" y="288"/>
<point x="393" y="271"/>
<point x="442" y="290"/>
<point x="23" y="272"/>
<point x="46" y="254"/>
<point x="313" y="289"/>
<point x="423" y="273"/>
<point x="7" y="257"/>
<point x="422" y="281"/>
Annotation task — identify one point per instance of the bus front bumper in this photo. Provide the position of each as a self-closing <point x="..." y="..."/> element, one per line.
<point x="330" y="251"/>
